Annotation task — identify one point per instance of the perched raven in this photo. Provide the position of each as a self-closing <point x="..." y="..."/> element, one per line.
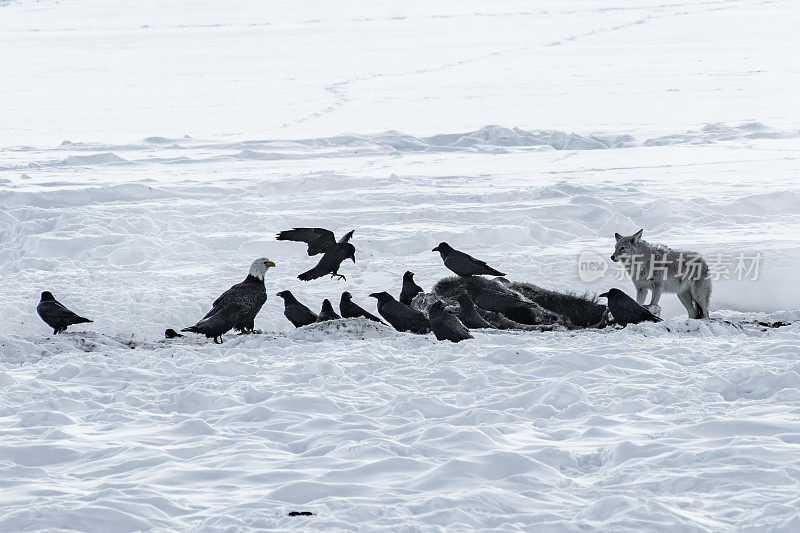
<point x="349" y="309"/>
<point x="238" y="306"/>
<point x="322" y="241"/>
<point x="56" y="315"/>
<point x="298" y="314"/>
<point x="327" y="312"/>
<point x="462" y="264"/>
<point x="410" y="289"/>
<point x="625" y="310"/>
<point x="401" y="316"/>
<point x="445" y="325"/>
<point x="468" y="314"/>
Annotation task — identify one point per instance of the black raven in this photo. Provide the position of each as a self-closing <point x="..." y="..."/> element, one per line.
<point x="327" y="312"/>
<point x="56" y="315"/>
<point x="410" y="289"/>
<point x="445" y="325"/>
<point x="401" y="316"/>
<point x="322" y="241"/>
<point x="462" y="264"/>
<point x="298" y="314"/>
<point x="468" y="314"/>
<point x="626" y="310"/>
<point x="349" y="309"/>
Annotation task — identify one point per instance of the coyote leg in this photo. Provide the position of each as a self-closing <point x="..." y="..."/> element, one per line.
<point x="655" y="296"/>
<point x="641" y="295"/>
<point x="688" y="302"/>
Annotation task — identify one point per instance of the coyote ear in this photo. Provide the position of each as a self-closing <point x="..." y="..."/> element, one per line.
<point x="617" y="236"/>
<point x="637" y="235"/>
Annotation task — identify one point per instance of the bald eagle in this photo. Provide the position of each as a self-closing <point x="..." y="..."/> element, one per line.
<point x="238" y="306"/>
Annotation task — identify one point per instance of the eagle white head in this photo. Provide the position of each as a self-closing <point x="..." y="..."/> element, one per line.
<point x="260" y="266"/>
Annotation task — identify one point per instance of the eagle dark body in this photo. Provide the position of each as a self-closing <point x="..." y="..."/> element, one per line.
<point x="298" y="314"/>
<point x="350" y="309"/>
<point x="410" y="288"/>
<point x="56" y="315"/>
<point x="445" y="325"/>
<point x="248" y="297"/>
<point x="327" y="312"/>
<point x="216" y="325"/>
<point x="511" y="305"/>
<point x="237" y="307"/>
<point x="400" y="316"/>
<point x="626" y="310"/>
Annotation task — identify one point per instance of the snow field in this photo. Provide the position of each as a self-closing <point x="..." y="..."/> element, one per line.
<point x="149" y="153"/>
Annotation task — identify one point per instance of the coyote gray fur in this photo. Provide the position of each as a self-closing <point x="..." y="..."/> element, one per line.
<point x="657" y="268"/>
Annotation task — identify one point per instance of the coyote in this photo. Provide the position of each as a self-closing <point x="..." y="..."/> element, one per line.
<point x="658" y="268"/>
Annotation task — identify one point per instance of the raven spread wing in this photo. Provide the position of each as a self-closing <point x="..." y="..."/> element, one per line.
<point x="319" y="240"/>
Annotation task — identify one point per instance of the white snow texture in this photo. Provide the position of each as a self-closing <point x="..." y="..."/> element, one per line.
<point x="149" y="151"/>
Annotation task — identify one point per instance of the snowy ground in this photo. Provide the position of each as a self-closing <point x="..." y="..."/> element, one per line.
<point x="150" y="152"/>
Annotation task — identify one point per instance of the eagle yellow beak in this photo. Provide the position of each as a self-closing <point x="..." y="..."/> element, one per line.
<point x="270" y="264"/>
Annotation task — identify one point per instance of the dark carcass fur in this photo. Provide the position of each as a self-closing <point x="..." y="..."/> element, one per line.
<point x="582" y="311"/>
<point x="508" y="305"/>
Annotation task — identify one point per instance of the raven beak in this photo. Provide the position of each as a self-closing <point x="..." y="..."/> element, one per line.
<point x="373" y="295"/>
<point x="435" y="249"/>
<point x="604" y="295"/>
